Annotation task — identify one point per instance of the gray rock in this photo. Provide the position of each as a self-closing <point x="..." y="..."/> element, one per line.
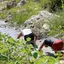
<point x="40" y="23"/>
<point x="46" y="26"/>
<point x="43" y="15"/>
<point x="22" y="2"/>
<point x="0" y="0"/>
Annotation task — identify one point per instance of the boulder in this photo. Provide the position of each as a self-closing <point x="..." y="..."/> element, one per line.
<point x="43" y="15"/>
<point x="22" y="2"/>
<point x="39" y="23"/>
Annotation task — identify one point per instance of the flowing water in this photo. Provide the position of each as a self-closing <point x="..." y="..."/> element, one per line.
<point x="9" y="30"/>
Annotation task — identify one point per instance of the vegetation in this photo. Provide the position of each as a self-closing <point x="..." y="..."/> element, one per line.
<point x="32" y="7"/>
<point x="17" y="52"/>
<point x="21" y="13"/>
<point x="57" y="25"/>
<point x="52" y="5"/>
<point x="26" y="12"/>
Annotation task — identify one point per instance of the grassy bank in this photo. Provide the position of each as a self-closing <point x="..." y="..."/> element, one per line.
<point x="22" y="13"/>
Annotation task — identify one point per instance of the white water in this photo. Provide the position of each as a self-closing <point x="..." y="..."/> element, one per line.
<point x="11" y="31"/>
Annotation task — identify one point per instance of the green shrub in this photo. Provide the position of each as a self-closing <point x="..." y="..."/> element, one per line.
<point x="52" y="5"/>
<point x="17" y="52"/>
<point x="57" y="25"/>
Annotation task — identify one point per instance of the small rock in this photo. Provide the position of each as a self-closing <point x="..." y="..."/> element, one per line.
<point x="6" y="21"/>
<point x="46" y="26"/>
<point x="22" y="2"/>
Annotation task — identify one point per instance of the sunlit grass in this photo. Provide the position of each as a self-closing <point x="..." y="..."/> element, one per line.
<point x="25" y="12"/>
<point x="3" y="15"/>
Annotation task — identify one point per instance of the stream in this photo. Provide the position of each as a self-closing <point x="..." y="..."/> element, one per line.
<point x="9" y="30"/>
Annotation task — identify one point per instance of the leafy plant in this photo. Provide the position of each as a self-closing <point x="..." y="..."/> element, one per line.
<point x="52" y="5"/>
<point x="57" y="25"/>
<point x="18" y="52"/>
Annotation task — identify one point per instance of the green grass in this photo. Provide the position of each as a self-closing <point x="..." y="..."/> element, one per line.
<point x="26" y="12"/>
<point x="3" y="15"/>
<point x="57" y="24"/>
